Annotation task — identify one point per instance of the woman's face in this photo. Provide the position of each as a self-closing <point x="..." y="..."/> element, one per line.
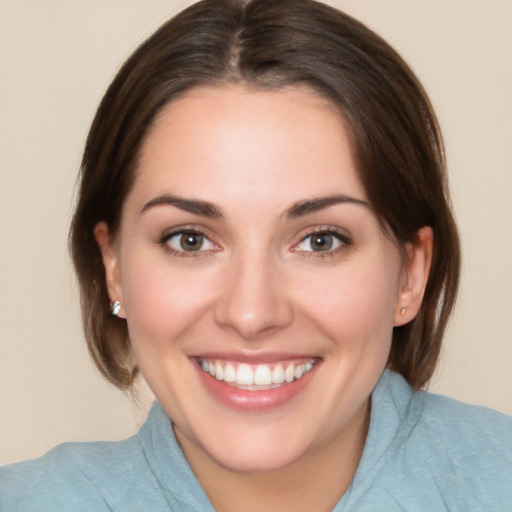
<point x="259" y="288"/>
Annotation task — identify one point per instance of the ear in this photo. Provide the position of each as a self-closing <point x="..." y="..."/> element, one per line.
<point x="110" y="258"/>
<point x="414" y="276"/>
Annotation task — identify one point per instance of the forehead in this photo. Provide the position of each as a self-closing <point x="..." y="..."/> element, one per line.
<point x="217" y="143"/>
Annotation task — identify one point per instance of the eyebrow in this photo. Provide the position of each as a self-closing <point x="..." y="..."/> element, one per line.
<point x="203" y="208"/>
<point x="210" y="210"/>
<point x="320" y="203"/>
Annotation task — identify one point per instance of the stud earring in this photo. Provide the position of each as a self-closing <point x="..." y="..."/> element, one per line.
<point x="115" y="308"/>
<point x="402" y="311"/>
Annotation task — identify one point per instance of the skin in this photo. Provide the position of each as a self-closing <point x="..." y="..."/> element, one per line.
<point x="256" y="287"/>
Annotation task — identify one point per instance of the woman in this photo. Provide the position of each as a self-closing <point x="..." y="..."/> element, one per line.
<point x="263" y="230"/>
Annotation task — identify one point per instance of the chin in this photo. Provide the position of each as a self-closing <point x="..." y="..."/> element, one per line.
<point x="252" y="458"/>
<point x="254" y="445"/>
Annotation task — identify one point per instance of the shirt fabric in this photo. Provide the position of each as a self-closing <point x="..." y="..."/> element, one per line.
<point x="424" y="452"/>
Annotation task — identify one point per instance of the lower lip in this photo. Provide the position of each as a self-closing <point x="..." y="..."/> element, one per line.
<point x="254" y="401"/>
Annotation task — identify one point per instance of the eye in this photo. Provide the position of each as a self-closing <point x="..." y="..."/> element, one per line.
<point x="187" y="241"/>
<point x="325" y="241"/>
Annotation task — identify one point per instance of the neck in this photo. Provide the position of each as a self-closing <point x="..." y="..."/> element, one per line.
<point x="316" y="481"/>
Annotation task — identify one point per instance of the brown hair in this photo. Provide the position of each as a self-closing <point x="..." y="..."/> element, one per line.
<point x="268" y="44"/>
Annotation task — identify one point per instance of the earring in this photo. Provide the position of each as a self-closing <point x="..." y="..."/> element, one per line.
<point x="115" y="308"/>
<point x="402" y="311"/>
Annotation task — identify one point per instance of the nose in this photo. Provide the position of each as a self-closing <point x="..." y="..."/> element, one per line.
<point x="253" y="301"/>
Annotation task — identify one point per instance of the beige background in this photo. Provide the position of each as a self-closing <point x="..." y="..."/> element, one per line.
<point x="56" y="59"/>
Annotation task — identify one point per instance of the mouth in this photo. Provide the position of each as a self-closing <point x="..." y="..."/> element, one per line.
<point x="256" y="377"/>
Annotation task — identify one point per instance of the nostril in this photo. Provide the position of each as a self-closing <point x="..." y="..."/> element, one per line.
<point x="252" y="301"/>
<point x="253" y="320"/>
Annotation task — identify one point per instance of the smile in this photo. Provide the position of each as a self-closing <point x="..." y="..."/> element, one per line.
<point x="256" y="377"/>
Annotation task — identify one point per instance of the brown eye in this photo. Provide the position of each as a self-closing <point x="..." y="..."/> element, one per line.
<point x="188" y="242"/>
<point x="191" y="241"/>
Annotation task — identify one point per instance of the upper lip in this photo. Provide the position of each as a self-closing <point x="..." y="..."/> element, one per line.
<point x="259" y="357"/>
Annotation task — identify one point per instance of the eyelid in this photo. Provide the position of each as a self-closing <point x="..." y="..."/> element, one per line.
<point x="341" y="235"/>
<point x="163" y="240"/>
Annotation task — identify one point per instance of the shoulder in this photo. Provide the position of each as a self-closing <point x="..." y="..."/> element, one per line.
<point x="145" y="472"/>
<point x="460" y="452"/>
<point x="461" y="428"/>
<point x="468" y="448"/>
<point x="466" y="428"/>
<point x="66" y="478"/>
<point x="476" y="441"/>
<point x="99" y="476"/>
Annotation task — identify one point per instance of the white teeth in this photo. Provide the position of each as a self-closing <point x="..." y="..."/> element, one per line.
<point x="229" y="373"/>
<point x="278" y="375"/>
<point x="262" y="375"/>
<point x="219" y="371"/>
<point x="256" y="375"/>
<point x="289" y="374"/>
<point x="244" y="375"/>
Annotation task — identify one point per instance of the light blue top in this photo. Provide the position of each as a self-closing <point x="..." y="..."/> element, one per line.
<point x="424" y="452"/>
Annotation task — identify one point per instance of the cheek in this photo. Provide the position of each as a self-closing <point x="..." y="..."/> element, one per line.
<point x="354" y="305"/>
<point x="161" y="301"/>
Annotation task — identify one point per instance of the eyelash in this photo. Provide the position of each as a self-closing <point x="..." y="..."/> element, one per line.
<point x="166" y="237"/>
<point x="344" y="242"/>
<point x="342" y="238"/>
